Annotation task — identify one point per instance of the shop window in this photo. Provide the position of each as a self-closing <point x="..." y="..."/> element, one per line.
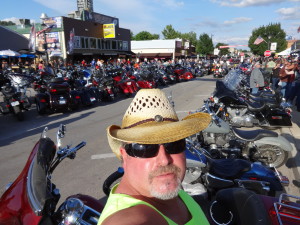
<point x="125" y="45"/>
<point x="87" y="43"/>
<point x="103" y="41"/>
<point x="82" y="42"/>
<point x="92" y="43"/>
<point x="120" y="45"/>
<point x="114" y="45"/>
<point x="108" y="44"/>
<point x="99" y="43"/>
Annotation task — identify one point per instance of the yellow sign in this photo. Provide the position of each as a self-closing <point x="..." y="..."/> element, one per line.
<point x="109" y="30"/>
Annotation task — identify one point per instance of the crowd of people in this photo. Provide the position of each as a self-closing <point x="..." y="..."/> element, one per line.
<point x="282" y="74"/>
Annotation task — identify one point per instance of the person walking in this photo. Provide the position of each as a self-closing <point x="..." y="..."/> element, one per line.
<point x="256" y="78"/>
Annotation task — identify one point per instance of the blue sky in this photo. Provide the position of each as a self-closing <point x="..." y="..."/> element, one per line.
<point x="227" y="21"/>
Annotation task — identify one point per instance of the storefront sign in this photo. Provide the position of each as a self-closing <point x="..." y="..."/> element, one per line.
<point x="109" y="30"/>
<point x="56" y="21"/>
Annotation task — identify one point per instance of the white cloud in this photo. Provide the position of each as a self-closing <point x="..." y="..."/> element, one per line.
<point x="237" y="20"/>
<point x="289" y="13"/>
<point x="246" y="3"/>
<point x="171" y="3"/>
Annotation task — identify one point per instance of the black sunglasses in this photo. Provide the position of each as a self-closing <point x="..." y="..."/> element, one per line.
<point x="150" y="150"/>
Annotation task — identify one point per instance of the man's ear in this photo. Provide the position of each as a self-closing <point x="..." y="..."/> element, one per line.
<point x="123" y="153"/>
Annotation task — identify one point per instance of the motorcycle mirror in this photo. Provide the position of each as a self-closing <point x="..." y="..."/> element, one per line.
<point x="60" y="134"/>
<point x="44" y="133"/>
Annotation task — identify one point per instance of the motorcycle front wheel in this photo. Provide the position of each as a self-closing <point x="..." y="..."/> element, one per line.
<point x="271" y="155"/>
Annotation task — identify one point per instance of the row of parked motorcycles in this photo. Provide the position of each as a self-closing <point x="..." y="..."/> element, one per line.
<point x="74" y="87"/>
<point x="231" y="172"/>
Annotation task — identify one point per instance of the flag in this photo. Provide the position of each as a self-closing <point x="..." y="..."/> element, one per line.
<point x="46" y="30"/>
<point x="31" y="44"/>
<point x="71" y="41"/>
<point x="258" y="40"/>
<point x="298" y="29"/>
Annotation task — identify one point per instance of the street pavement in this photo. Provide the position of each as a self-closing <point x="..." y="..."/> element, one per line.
<point x="293" y="163"/>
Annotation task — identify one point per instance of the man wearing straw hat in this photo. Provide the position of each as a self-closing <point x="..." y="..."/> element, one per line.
<point x="151" y="144"/>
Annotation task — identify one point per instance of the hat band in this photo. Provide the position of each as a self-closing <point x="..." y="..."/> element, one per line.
<point x="149" y="120"/>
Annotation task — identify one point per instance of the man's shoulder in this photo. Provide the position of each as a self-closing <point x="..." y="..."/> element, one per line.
<point x="139" y="214"/>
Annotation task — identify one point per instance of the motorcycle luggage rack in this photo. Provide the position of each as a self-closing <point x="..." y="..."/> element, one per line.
<point x="286" y="210"/>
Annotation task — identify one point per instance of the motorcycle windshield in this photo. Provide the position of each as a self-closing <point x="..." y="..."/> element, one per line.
<point x="38" y="186"/>
<point x="232" y="80"/>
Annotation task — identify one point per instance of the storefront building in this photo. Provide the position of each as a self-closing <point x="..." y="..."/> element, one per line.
<point x="163" y="49"/>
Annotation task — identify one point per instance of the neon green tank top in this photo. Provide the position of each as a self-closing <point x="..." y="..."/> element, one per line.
<point x="117" y="202"/>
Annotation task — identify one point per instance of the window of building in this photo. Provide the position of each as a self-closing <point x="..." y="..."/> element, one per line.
<point x="87" y="43"/>
<point x="120" y="45"/>
<point x="93" y="43"/>
<point x="82" y="42"/>
<point x="103" y="42"/>
<point x="114" y="45"/>
<point x="99" y="43"/>
<point x="108" y="44"/>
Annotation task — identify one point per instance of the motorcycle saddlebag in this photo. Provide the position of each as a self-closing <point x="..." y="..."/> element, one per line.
<point x="3" y="108"/>
<point x="278" y="117"/>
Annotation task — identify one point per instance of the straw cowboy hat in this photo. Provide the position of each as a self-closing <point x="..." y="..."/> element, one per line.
<point x="151" y="119"/>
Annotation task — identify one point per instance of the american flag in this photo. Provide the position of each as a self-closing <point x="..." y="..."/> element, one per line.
<point x="46" y="29"/>
<point x="298" y="29"/>
<point x="258" y="40"/>
<point x="31" y="44"/>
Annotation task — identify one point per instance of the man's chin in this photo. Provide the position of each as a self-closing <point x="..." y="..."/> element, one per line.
<point x="165" y="191"/>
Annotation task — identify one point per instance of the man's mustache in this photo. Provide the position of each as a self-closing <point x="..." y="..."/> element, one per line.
<point x="164" y="170"/>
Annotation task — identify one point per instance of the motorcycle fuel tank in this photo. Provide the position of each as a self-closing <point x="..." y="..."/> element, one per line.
<point x="220" y="127"/>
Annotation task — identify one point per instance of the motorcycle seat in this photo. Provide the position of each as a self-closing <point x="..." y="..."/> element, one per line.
<point x="269" y="102"/>
<point x="255" y="106"/>
<point x="262" y="94"/>
<point x="228" y="168"/>
<point x="252" y="135"/>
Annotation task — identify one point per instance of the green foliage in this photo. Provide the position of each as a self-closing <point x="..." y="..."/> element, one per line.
<point x="205" y="45"/>
<point x="223" y="51"/>
<point x="144" y="35"/>
<point x="7" y="23"/>
<point x="170" y="33"/>
<point x="191" y="37"/>
<point x="272" y="31"/>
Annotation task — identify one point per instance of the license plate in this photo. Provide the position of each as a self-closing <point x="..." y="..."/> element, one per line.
<point x="128" y="83"/>
<point x="93" y="99"/>
<point x="62" y="101"/>
<point x="15" y="103"/>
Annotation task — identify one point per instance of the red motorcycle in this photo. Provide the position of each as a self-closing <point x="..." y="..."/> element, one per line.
<point x="32" y="198"/>
<point x="125" y="84"/>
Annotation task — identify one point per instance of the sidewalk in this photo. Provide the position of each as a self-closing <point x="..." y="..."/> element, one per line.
<point x="293" y="163"/>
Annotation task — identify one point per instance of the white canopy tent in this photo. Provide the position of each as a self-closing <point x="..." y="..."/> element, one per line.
<point x="285" y="52"/>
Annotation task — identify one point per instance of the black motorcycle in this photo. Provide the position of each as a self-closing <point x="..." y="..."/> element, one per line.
<point x="56" y="96"/>
<point x="242" y="112"/>
<point x="15" y="100"/>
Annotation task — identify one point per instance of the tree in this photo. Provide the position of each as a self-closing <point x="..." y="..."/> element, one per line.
<point x="145" y="35"/>
<point x="191" y="37"/>
<point x="205" y="45"/>
<point x="270" y="33"/>
<point x="170" y="33"/>
<point x="7" y="23"/>
<point x="223" y="51"/>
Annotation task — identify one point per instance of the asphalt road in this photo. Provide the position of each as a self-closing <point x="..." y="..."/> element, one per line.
<point x="95" y="162"/>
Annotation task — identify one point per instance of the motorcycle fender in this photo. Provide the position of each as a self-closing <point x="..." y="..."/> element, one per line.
<point x="217" y="182"/>
<point x="280" y="141"/>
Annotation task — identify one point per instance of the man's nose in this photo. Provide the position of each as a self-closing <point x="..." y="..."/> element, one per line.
<point x="163" y="157"/>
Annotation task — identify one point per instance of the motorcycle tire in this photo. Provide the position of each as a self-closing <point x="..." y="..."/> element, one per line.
<point x="271" y="155"/>
<point x="111" y="180"/>
<point x="18" y="113"/>
<point x="40" y="110"/>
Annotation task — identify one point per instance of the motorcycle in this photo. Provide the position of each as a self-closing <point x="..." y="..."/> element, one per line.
<point x="241" y="112"/>
<point x="207" y="175"/>
<point x="32" y="198"/>
<point x="56" y="96"/>
<point x="224" y="141"/>
<point x="14" y="92"/>
<point x="126" y="85"/>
